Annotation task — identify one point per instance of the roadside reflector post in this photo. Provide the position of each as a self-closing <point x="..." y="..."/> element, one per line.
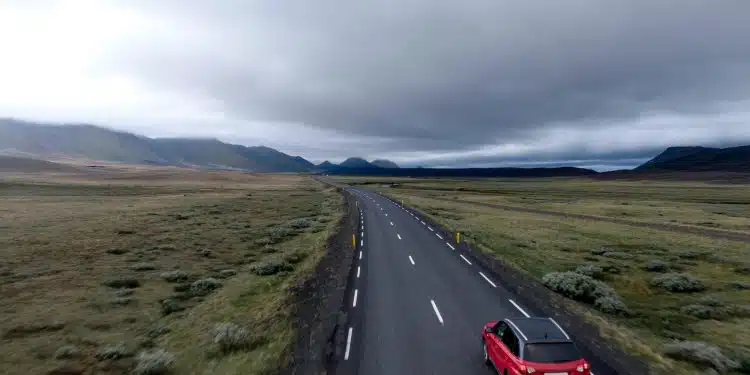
<point x="458" y="237"/>
<point x="354" y="241"/>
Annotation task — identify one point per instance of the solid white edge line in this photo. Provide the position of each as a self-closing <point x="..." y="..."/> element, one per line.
<point x="411" y="260"/>
<point x="348" y="344"/>
<point x="391" y="223"/>
<point x="437" y="312"/>
<point x="358" y="272"/>
<point x="439" y="236"/>
<point x="464" y="258"/>
<point x="398" y="235"/>
<point x="488" y="280"/>
<point x="512" y="302"/>
<point x="431" y="230"/>
<point x="354" y="300"/>
<point x="422" y="222"/>
<point x="360" y="254"/>
<point x="451" y="246"/>
<point x="361" y="242"/>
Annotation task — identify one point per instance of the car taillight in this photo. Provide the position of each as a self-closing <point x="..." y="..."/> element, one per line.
<point x="583" y="367"/>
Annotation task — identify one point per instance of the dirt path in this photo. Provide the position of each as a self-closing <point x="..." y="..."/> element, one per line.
<point x="712" y="233"/>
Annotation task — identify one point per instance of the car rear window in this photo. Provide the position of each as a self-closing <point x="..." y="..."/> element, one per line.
<point x="556" y="352"/>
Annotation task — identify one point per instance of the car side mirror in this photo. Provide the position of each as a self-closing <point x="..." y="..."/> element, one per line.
<point x="488" y="329"/>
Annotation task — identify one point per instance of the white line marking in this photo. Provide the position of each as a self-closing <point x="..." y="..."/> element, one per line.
<point x="437" y="312"/>
<point x="422" y="222"/>
<point x="391" y="223"/>
<point x="361" y="242"/>
<point x="488" y="280"/>
<point x="358" y="272"/>
<point x="439" y="236"/>
<point x="360" y="254"/>
<point x="464" y="258"/>
<point x="451" y="246"/>
<point x="399" y="236"/>
<point x="512" y="302"/>
<point x="411" y="260"/>
<point x="363" y="233"/>
<point x="348" y="344"/>
<point x="561" y="330"/>
<point x="431" y="230"/>
<point x="354" y="301"/>
<point x="386" y="215"/>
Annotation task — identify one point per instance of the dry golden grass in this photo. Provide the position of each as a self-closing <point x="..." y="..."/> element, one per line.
<point x="63" y="237"/>
<point x="538" y="244"/>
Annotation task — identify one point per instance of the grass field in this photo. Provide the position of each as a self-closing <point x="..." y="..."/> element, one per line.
<point x="715" y="309"/>
<point x="96" y="268"/>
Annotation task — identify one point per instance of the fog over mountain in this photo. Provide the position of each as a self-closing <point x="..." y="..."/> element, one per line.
<point x="598" y="84"/>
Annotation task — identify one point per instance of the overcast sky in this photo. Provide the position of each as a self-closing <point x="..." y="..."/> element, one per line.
<point x="423" y="82"/>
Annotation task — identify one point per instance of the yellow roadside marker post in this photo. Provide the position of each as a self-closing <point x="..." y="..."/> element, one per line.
<point x="458" y="237"/>
<point x="354" y="241"/>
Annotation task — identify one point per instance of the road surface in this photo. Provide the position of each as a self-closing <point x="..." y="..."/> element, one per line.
<point x="417" y="305"/>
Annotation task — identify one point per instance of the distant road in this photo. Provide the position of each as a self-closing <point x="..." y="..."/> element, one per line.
<point x="417" y="305"/>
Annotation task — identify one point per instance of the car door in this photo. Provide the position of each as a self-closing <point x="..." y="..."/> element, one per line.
<point x="496" y="350"/>
<point x="511" y="349"/>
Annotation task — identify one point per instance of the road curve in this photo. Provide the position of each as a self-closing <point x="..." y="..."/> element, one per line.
<point x="417" y="304"/>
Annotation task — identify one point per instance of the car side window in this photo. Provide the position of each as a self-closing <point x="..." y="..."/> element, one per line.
<point x="511" y="342"/>
<point x="500" y="329"/>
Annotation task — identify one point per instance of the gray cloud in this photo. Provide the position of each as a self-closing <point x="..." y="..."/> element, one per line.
<point x="473" y="81"/>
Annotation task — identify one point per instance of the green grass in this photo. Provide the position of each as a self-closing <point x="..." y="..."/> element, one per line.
<point x="61" y="241"/>
<point x="539" y="244"/>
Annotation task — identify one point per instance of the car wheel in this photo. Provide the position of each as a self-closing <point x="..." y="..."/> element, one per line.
<point x="486" y="355"/>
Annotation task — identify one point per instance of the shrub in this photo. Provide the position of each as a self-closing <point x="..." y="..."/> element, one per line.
<point x="678" y="283"/>
<point x="585" y="289"/>
<point x="112" y="352"/>
<point x="143" y="267"/>
<point x="590" y="270"/>
<point x="181" y="288"/>
<point x="701" y="354"/>
<point x="206" y="253"/>
<point x="117" y="251"/>
<point x="157" y="362"/>
<point x="601" y="251"/>
<point x="656" y="266"/>
<point x="158" y="330"/>
<point x="123" y="282"/>
<point x="170" y="305"/>
<point x="710" y="301"/>
<point x="175" y="276"/>
<point x="611" y="305"/>
<point x="743" y="270"/>
<point x="230" y="337"/>
<point x="66" y="352"/>
<point x="204" y="286"/>
<point x="271" y="268"/>
<point x="124" y="293"/>
<point x="224" y="274"/>
<point x="739" y="286"/>
<point x="703" y="312"/>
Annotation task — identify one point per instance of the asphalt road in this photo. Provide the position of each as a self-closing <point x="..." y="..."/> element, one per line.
<point x="417" y="306"/>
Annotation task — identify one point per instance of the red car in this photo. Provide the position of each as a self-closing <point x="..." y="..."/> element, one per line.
<point x="531" y="346"/>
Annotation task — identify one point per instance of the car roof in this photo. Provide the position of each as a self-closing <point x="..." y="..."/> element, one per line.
<point x="535" y="330"/>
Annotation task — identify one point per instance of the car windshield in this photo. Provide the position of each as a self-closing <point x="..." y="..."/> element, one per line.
<point x="557" y="352"/>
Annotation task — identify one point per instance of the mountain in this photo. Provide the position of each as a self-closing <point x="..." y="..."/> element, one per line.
<point x="325" y="165"/>
<point x="21" y="164"/>
<point x="694" y="159"/>
<point x="357" y="163"/>
<point x="383" y="163"/>
<point x="464" y="172"/>
<point x="97" y="143"/>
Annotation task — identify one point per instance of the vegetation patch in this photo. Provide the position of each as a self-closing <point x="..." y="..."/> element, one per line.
<point x="678" y="283"/>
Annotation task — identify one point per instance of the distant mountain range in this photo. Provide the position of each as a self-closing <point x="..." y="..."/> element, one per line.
<point x="699" y="159"/>
<point x="28" y="139"/>
<point x="83" y="141"/>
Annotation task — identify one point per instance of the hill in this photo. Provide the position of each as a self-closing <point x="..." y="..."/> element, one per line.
<point x="695" y="159"/>
<point x="28" y="165"/>
<point x="356" y="163"/>
<point x="383" y="163"/>
<point x="97" y="143"/>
